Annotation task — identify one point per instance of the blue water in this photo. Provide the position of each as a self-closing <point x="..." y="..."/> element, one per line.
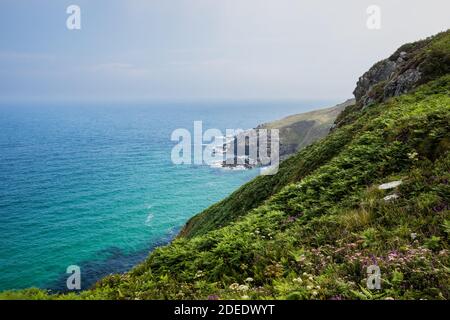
<point x="94" y="185"/>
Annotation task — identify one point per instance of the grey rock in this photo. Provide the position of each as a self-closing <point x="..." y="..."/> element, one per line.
<point x="381" y="71"/>
<point x="391" y="197"/>
<point x="390" y="185"/>
<point x="403" y="83"/>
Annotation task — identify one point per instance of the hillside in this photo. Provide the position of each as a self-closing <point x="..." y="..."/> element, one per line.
<point x="300" y="130"/>
<point x="295" y="133"/>
<point x="311" y="231"/>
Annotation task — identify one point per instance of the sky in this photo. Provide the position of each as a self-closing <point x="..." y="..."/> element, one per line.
<point x="202" y="49"/>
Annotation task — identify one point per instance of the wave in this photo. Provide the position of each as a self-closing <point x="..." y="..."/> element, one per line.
<point x="149" y="219"/>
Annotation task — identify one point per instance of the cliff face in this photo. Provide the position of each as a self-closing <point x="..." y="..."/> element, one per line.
<point x="411" y="65"/>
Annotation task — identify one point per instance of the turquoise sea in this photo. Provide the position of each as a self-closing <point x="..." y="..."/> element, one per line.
<point x="93" y="184"/>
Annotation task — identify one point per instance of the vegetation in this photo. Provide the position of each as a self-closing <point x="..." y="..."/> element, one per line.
<point x="311" y="231"/>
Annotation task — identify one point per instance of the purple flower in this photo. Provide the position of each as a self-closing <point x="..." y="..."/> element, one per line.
<point x="374" y="259"/>
<point x="293" y="218"/>
<point x="441" y="207"/>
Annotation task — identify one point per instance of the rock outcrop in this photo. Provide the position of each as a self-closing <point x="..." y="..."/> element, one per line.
<point x="411" y="65"/>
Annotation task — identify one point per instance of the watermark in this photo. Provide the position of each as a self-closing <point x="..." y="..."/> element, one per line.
<point x="373" y="277"/>
<point x="73" y="22"/>
<point x="374" y="19"/>
<point x="237" y="149"/>
<point x="74" y="280"/>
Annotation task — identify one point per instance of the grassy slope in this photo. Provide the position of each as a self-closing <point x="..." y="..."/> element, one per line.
<point x="311" y="230"/>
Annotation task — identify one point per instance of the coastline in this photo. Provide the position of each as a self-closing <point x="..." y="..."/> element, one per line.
<point x="139" y="257"/>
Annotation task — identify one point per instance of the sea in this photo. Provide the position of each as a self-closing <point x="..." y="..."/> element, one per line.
<point x="92" y="184"/>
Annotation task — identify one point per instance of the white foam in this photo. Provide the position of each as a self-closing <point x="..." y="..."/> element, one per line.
<point x="149" y="219"/>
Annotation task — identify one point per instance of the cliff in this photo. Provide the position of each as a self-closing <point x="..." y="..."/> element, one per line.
<point x="300" y="130"/>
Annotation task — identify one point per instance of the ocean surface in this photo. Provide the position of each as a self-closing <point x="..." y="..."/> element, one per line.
<point x="93" y="185"/>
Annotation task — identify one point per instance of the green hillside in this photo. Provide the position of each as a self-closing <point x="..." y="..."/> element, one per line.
<point x="311" y="231"/>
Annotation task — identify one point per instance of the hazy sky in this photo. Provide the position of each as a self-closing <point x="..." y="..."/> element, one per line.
<point x="202" y="49"/>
